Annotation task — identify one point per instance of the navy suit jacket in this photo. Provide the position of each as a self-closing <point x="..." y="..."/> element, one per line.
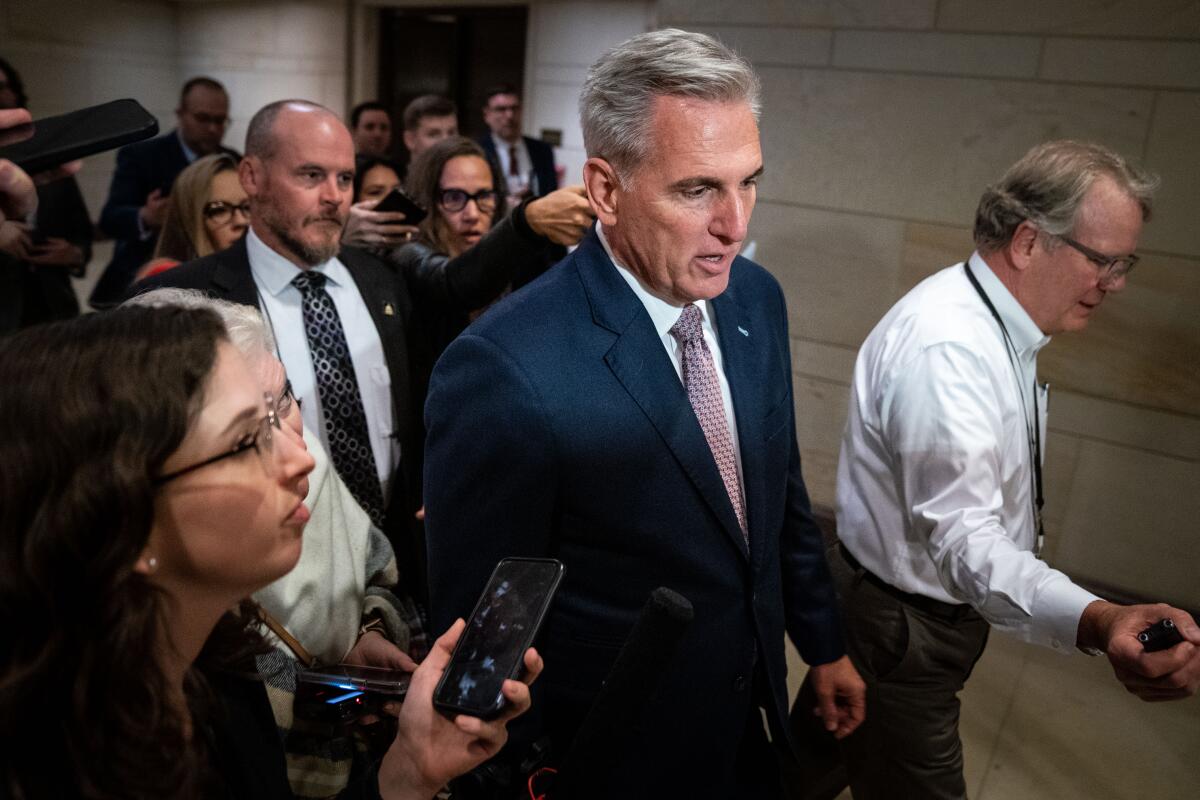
<point x="558" y="426"/>
<point x="141" y="168"/>
<point x="540" y="153"/>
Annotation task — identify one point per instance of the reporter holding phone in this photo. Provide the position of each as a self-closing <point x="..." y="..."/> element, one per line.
<point x="154" y="492"/>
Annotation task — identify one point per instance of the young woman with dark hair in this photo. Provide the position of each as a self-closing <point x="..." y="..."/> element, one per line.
<point x="148" y="487"/>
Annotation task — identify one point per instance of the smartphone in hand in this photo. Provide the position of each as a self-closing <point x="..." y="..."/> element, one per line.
<point x="502" y="627"/>
<point x="56" y="140"/>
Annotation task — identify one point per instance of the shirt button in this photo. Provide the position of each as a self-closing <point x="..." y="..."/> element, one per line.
<point x="739" y="684"/>
<point x="1056" y="644"/>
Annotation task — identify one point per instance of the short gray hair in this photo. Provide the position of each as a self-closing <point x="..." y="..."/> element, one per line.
<point x="243" y="324"/>
<point x="615" y="107"/>
<point x="1047" y="187"/>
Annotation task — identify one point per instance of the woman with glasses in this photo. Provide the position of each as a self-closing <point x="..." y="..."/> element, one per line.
<point x="206" y="213"/>
<point x="341" y="602"/>
<point x="151" y="488"/>
<point x="467" y="228"/>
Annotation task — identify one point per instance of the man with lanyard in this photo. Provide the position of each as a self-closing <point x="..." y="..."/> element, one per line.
<point x="939" y="480"/>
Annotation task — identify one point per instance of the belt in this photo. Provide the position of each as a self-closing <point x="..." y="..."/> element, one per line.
<point x="952" y="612"/>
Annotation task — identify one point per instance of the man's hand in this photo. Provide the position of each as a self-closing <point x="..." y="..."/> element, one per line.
<point x="1166" y="675"/>
<point x="841" y="696"/>
<point x="563" y="216"/>
<point x="15" y="239"/>
<point x="429" y="748"/>
<point x="55" y="252"/>
<point x="369" y="228"/>
<point x="154" y="212"/>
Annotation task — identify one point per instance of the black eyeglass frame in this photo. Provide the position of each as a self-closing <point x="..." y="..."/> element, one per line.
<point x="1112" y="268"/>
<point x="222" y="212"/>
<point x="485" y="200"/>
<point x="269" y="421"/>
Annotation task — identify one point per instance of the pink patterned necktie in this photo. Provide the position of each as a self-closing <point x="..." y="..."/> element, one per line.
<point x="704" y="393"/>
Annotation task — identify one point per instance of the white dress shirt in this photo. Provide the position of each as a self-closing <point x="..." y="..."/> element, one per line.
<point x="664" y="315"/>
<point x="281" y="305"/>
<point x="519" y="182"/>
<point x="934" y="486"/>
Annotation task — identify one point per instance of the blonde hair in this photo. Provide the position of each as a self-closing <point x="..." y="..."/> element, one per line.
<point x="184" y="236"/>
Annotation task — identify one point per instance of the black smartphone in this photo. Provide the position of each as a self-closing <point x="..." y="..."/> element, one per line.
<point x="502" y="627"/>
<point x="397" y="200"/>
<point x="57" y="140"/>
<point x="345" y="692"/>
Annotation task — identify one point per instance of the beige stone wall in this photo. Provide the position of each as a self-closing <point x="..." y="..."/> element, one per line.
<point x="882" y="123"/>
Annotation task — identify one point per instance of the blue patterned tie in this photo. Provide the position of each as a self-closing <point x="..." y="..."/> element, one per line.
<point x="704" y="393"/>
<point x="337" y="388"/>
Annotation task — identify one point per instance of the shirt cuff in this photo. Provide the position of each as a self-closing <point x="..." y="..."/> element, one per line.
<point x="1056" y="614"/>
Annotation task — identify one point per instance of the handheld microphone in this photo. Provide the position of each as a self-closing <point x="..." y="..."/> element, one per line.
<point x="632" y="680"/>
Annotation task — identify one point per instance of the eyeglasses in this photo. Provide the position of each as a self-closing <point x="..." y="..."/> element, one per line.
<point x="506" y="109"/>
<point x="283" y="406"/>
<point x="456" y="200"/>
<point x="221" y="212"/>
<point x="1112" y="268"/>
<point x="261" y="440"/>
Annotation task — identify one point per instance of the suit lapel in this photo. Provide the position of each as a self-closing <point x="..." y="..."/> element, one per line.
<point x="232" y="278"/>
<point x="639" y="361"/>
<point x="379" y="286"/>
<point x="739" y="350"/>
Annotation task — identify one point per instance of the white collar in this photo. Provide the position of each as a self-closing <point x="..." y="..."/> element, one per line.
<point x="1026" y="336"/>
<point x="663" y="314"/>
<point x="276" y="273"/>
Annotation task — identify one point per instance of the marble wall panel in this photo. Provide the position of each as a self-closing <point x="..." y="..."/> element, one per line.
<point x="815" y="13"/>
<point x="1171" y="19"/>
<point x="1142" y="345"/>
<point x="944" y="53"/>
<point x="1122" y="62"/>
<point x="1172" y="152"/>
<point x="838" y="271"/>
<point x="1062" y="455"/>
<point x="577" y="32"/>
<point x="1131" y="522"/>
<point x="820" y="419"/>
<point x="825" y="361"/>
<point x="1135" y="426"/>
<point x="918" y="147"/>
<point x="132" y="26"/>
<point x="774" y="45"/>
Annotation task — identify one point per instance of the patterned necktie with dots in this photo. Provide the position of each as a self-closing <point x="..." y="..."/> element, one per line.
<point x="337" y="388"/>
<point x="704" y="393"/>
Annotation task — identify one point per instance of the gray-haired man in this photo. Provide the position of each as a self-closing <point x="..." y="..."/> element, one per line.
<point x="630" y="413"/>
<point x="939" y="483"/>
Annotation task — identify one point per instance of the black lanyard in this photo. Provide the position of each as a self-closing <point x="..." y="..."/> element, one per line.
<point x="1033" y="431"/>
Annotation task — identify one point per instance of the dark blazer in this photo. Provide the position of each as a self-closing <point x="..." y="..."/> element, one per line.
<point x="141" y="168"/>
<point x="540" y="153"/>
<point x="390" y="294"/>
<point x="557" y="426"/>
<point x="31" y="293"/>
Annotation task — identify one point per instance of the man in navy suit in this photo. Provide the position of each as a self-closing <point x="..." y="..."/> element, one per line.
<point x="141" y="183"/>
<point x="631" y="413"/>
<point x="526" y="164"/>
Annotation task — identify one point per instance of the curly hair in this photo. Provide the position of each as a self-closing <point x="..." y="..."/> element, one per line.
<point x="90" y="409"/>
<point x="425" y="180"/>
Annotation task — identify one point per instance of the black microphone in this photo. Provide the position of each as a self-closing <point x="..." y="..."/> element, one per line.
<point x="632" y="680"/>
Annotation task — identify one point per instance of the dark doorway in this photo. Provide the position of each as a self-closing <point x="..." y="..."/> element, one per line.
<point x="458" y="52"/>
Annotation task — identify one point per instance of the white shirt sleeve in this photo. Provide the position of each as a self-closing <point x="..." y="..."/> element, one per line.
<point x="942" y="417"/>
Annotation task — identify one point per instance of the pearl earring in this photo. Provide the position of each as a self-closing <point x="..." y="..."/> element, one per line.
<point x="152" y="563"/>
